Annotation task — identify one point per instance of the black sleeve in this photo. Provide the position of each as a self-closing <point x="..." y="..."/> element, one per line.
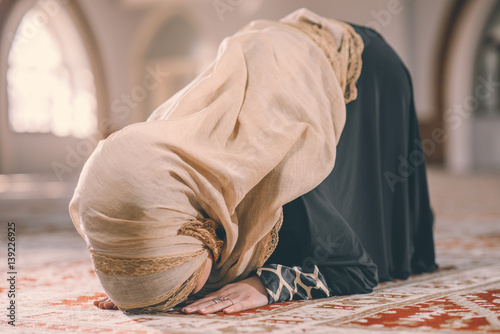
<point x="314" y="234"/>
<point x="292" y="283"/>
<point x="350" y="279"/>
<point x="346" y="266"/>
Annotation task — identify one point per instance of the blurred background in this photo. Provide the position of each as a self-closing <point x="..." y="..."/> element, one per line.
<point x="74" y="71"/>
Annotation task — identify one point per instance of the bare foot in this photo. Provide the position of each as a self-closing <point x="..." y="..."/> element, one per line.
<point x="105" y="303"/>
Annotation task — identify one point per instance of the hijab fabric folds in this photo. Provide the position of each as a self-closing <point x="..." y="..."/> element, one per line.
<point x="212" y="167"/>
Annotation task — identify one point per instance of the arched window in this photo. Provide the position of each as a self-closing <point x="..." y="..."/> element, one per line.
<point x="53" y="92"/>
<point x="50" y="85"/>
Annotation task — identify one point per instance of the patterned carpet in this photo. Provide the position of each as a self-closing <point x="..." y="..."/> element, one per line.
<point x="55" y="285"/>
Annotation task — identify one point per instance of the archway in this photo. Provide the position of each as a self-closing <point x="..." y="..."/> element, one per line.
<point x="172" y="42"/>
<point x="459" y="88"/>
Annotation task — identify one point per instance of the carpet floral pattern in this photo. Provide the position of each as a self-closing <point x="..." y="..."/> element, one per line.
<point x="56" y="284"/>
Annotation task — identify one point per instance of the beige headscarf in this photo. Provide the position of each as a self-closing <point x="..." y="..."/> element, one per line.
<point x="212" y="167"/>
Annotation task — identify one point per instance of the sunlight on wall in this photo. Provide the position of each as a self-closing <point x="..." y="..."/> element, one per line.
<point x="47" y="92"/>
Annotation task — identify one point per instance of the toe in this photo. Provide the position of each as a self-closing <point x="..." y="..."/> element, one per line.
<point x="109" y="305"/>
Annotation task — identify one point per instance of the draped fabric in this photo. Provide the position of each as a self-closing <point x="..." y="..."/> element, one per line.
<point x="371" y="219"/>
<point x="253" y="132"/>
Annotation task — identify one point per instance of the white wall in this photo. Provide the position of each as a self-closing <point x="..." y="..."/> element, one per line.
<point x="114" y="29"/>
<point x="427" y="18"/>
<point x="412" y="27"/>
<point x="122" y="28"/>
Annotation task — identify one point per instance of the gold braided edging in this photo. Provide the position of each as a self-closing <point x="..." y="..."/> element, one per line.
<point x="351" y="48"/>
<point x="354" y="46"/>
<point x="117" y="266"/>
<point x="270" y="242"/>
<point x="169" y="300"/>
<point x="206" y="231"/>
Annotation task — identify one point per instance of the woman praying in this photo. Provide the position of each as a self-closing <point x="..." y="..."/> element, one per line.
<point x="275" y="175"/>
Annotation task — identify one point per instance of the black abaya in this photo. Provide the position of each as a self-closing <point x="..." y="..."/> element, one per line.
<point x="370" y="220"/>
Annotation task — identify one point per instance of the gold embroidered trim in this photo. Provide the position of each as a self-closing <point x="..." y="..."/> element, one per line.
<point x="351" y="48"/>
<point x="169" y="300"/>
<point x="270" y="242"/>
<point x="206" y="231"/>
<point x="116" y="266"/>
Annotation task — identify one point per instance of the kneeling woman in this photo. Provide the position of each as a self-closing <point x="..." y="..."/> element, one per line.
<point x="228" y="193"/>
